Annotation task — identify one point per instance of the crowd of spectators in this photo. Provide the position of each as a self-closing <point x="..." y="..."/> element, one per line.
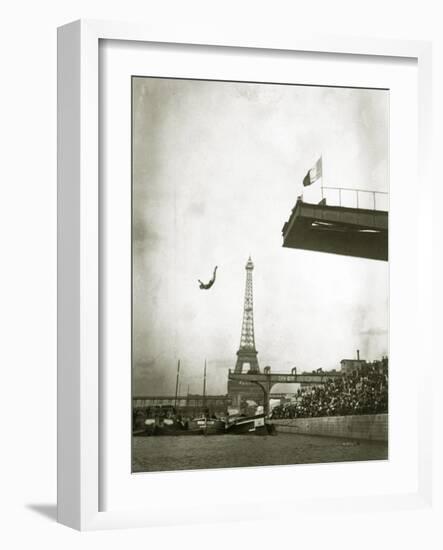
<point x="362" y="391"/>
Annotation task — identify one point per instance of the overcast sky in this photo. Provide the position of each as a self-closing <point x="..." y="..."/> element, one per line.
<point x="217" y="168"/>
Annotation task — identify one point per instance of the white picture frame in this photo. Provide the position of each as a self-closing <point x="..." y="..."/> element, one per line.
<point x="79" y="367"/>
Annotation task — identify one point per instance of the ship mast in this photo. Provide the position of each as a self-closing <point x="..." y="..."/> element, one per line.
<point x="204" y="388"/>
<point x="176" y="384"/>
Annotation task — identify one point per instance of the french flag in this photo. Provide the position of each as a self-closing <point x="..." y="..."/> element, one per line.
<point x="313" y="174"/>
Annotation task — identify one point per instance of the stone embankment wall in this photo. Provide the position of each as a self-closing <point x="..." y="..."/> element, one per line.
<point x="373" y="427"/>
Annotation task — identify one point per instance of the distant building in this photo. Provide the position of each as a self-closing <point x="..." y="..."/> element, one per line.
<point x="350" y="365"/>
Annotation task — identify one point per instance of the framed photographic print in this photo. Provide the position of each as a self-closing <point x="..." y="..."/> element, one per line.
<point x="239" y="237"/>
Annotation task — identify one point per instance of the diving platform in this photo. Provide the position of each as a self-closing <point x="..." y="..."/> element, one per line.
<point x="357" y="232"/>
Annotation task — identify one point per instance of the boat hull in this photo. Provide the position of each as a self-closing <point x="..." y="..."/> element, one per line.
<point x="206" y="427"/>
<point x="156" y="426"/>
<point x="254" y="425"/>
<point x="193" y="427"/>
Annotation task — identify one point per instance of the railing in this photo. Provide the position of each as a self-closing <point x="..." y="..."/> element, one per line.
<point x="357" y="192"/>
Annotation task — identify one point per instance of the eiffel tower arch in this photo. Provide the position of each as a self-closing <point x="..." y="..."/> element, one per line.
<point x="240" y="391"/>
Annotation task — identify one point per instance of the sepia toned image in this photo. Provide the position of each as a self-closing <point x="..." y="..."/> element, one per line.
<point x="260" y="274"/>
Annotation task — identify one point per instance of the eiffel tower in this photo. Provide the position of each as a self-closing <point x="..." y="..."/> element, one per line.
<point x="247" y="360"/>
<point x="247" y="354"/>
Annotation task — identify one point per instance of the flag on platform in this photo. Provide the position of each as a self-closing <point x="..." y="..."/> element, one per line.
<point x="314" y="173"/>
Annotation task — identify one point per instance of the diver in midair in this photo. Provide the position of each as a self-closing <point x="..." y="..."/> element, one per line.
<point x="204" y="286"/>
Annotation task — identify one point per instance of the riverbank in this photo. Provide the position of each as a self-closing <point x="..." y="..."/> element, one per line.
<point x="370" y="427"/>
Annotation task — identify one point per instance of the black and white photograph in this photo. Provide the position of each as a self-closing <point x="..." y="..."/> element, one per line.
<point x="222" y="266"/>
<point x="260" y="274"/>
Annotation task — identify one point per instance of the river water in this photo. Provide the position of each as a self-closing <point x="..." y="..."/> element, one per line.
<point x="166" y="453"/>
